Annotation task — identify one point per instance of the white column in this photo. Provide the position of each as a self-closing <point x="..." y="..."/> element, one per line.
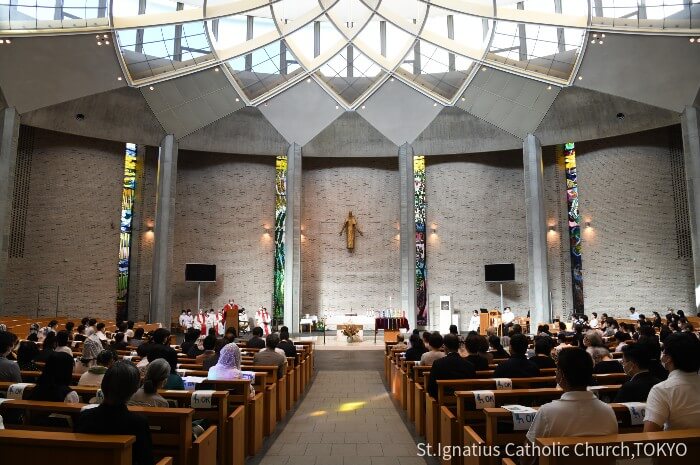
<point x="161" y="296"/>
<point x="536" y="232"/>
<point x="9" y="135"/>
<point x="407" y="234"/>
<point x="292" y="241"/>
<point x="690" y="124"/>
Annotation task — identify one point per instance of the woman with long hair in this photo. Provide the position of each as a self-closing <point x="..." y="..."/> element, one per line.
<point x="54" y="383"/>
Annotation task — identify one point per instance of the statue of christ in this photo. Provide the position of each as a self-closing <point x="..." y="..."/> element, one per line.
<point x="350" y="226"/>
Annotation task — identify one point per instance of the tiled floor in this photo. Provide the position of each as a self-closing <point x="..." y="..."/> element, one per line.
<point x="346" y="418"/>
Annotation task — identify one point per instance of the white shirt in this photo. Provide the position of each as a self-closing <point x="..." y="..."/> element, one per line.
<point x="182" y="320"/>
<point x="577" y="413"/>
<point x="508" y="317"/>
<point x="101" y="335"/>
<point x="65" y="349"/>
<point x="634" y="316"/>
<point x="593" y="323"/>
<point x="474" y="323"/>
<point x="675" y="403"/>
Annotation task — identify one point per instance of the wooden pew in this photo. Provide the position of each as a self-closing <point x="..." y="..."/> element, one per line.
<point x="171" y="428"/>
<point x="690" y="438"/>
<point x="19" y="446"/>
<point x="272" y="384"/>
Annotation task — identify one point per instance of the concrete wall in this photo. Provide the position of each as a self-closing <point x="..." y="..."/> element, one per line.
<point x="630" y="252"/>
<point x="223" y="204"/>
<point x="477" y="204"/>
<point x="334" y="278"/>
<point x="71" y="241"/>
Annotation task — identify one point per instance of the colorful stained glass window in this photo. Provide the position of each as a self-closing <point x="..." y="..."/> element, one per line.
<point x="280" y="217"/>
<point x="574" y="225"/>
<point x="419" y="211"/>
<point x="128" y="190"/>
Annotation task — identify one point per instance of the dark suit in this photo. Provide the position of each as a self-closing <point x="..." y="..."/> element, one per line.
<point x="637" y="389"/>
<point x="517" y="366"/>
<point x="255" y="342"/>
<point x="451" y="366"/>
<point x="288" y="347"/>
<point x="480" y="363"/>
<point x="543" y="361"/>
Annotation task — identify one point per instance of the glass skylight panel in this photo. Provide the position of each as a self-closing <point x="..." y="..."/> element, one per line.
<point x="412" y="11"/>
<point x="153" y="51"/>
<point x="396" y="40"/>
<point x="265" y="69"/>
<point x="465" y="30"/>
<point x="350" y="74"/>
<point x="544" y="6"/>
<point x="667" y="14"/>
<point x="231" y="31"/>
<point x="536" y="48"/>
<point x="46" y="14"/>
<point x="349" y="16"/>
<point x="435" y="69"/>
<point x="289" y="10"/>
<point x="303" y="41"/>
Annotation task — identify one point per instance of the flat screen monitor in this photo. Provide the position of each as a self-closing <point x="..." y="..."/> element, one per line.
<point x="200" y="273"/>
<point x="499" y="272"/>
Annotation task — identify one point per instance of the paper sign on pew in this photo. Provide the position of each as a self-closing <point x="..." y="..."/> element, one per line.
<point x="191" y="381"/>
<point x="637" y="411"/>
<point x="503" y="384"/>
<point x="202" y="399"/>
<point x="522" y="416"/>
<point x="484" y="399"/>
<point x="16" y="391"/>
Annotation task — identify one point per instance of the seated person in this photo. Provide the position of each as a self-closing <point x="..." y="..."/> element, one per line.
<point x="400" y="343"/>
<point x="517" y="366"/>
<point x="675" y="403"/>
<point x="156" y="376"/>
<point x="191" y="337"/>
<point x="257" y="341"/>
<point x="113" y="417"/>
<point x="80" y="335"/>
<point x="169" y="355"/>
<point x="269" y="356"/>
<point x="63" y="342"/>
<point x="417" y="348"/>
<point x="91" y="348"/>
<point x="119" y="342"/>
<point x="94" y="375"/>
<point x="9" y="369"/>
<point x="26" y="353"/>
<point x="137" y="340"/>
<point x="100" y="327"/>
<point x="636" y="359"/>
<point x="53" y="384"/>
<point x="496" y="348"/>
<point x="435" y="353"/>
<point x="473" y="343"/>
<point x="603" y="362"/>
<point x="230" y="334"/>
<point x="286" y="344"/>
<point x="229" y="364"/>
<point x="621" y="339"/>
<point x="208" y="344"/>
<point x="451" y="366"/>
<point x="543" y="347"/>
<point x="578" y="412"/>
<point x="48" y="347"/>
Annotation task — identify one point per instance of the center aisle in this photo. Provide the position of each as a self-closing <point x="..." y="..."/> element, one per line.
<point x="346" y="418"/>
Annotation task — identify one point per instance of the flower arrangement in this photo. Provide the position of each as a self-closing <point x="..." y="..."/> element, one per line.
<point x="351" y="331"/>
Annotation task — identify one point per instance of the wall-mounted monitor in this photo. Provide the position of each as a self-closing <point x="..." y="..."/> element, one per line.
<point x="200" y="273"/>
<point x="499" y="272"/>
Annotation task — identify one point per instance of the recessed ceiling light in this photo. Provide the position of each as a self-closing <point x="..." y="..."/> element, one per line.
<point x="97" y="36"/>
<point x="237" y="99"/>
<point x="119" y="78"/>
<point x="8" y="41"/>
<point x="483" y="68"/>
<point x="463" y="99"/>
<point x="595" y="35"/>
<point x="99" y="43"/>
<point x="2" y="41"/>
<point x="152" y="88"/>
<point x="106" y="42"/>
<point x="593" y="41"/>
<point x="580" y="77"/>
<point x="105" y="36"/>
<point x="435" y="104"/>
<point x="265" y="103"/>
<point x="308" y="80"/>
<point x="216" y="70"/>
<point x="549" y="87"/>
<point x="392" y="79"/>
<point x="363" y="107"/>
<point x="337" y="106"/>
<point x="600" y="42"/>
<point x="692" y="39"/>
<point x="603" y="36"/>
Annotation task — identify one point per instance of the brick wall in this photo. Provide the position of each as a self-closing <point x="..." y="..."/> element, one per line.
<point x="223" y="202"/>
<point x="71" y="240"/>
<point x="630" y="252"/>
<point x="477" y="204"/>
<point x="334" y="278"/>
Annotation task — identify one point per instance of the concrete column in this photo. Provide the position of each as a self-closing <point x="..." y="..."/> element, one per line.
<point x="292" y="241"/>
<point x="407" y="234"/>
<point x="9" y="135"/>
<point x="540" y="305"/>
<point x="161" y="296"/>
<point x="690" y="125"/>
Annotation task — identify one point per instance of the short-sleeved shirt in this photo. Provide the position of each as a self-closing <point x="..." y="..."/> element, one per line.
<point x="675" y="403"/>
<point x="429" y="357"/>
<point x="577" y="413"/>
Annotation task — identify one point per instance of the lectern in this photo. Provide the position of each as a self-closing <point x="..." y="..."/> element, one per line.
<point x="492" y="318"/>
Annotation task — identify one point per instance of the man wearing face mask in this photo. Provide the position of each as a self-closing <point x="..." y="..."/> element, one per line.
<point x="636" y="359"/>
<point x="674" y="403"/>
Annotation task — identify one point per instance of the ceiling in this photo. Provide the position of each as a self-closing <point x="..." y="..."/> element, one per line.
<point x="304" y="63"/>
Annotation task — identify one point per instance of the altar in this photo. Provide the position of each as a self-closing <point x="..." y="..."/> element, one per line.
<point x="333" y="321"/>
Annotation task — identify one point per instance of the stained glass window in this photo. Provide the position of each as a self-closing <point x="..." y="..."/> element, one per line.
<point x="128" y="190"/>
<point x="574" y="225"/>
<point x="419" y="211"/>
<point x="280" y="216"/>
